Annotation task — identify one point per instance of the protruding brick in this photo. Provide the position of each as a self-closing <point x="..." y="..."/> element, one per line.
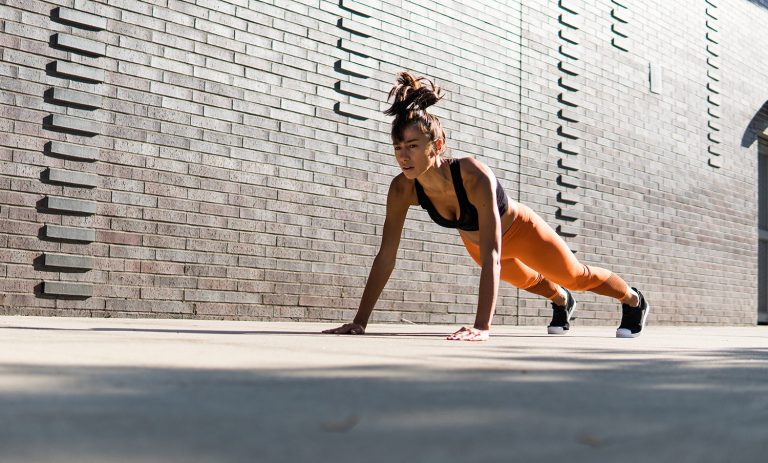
<point x="354" y="90"/>
<point x="569" y="83"/>
<point x="58" y="232"/>
<point x="570" y="5"/>
<point x="567" y="230"/>
<point x="356" y="27"/>
<point x="568" y="213"/>
<point x="655" y="78"/>
<point x="353" y="111"/>
<point x="570" y="148"/>
<point x="79" y="18"/>
<point x="620" y="29"/>
<point x="567" y="197"/>
<point x="69" y="177"/>
<point x="569" y="98"/>
<point x="69" y="150"/>
<point x="77" y="206"/>
<point x="67" y="261"/>
<point x="571" y="20"/>
<point x="570" y="51"/>
<point x="622" y="43"/>
<point x="620" y="14"/>
<point x="357" y="7"/>
<point x="568" y="180"/>
<point x="569" y="114"/>
<point x="568" y="132"/>
<point x="77" y="98"/>
<point x="569" y="35"/>
<point x="79" y="44"/>
<point x="353" y="68"/>
<point x="74" y="124"/>
<point x="61" y="288"/>
<point x="78" y="71"/>
<point x="568" y="67"/>
<point x="569" y="162"/>
<point x="355" y="47"/>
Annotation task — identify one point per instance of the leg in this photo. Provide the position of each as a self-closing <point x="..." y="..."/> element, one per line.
<point x="540" y="248"/>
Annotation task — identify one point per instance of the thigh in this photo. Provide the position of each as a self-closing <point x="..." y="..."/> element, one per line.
<point x="543" y="250"/>
<point x="516" y="273"/>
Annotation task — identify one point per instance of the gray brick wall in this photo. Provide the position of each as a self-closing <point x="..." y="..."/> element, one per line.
<point x="238" y="160"/>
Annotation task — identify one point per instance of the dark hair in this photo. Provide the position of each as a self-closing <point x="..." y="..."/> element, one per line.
<point x="412" y="96"/>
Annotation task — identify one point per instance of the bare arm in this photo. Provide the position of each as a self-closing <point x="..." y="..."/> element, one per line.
<point x="481" y="191"/>
<point x="398" y="201"/>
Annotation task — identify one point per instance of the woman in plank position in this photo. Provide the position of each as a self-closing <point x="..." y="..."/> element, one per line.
<point x="506" y="239"/>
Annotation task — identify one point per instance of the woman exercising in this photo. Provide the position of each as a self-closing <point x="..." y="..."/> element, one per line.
<point x="506" y="239"/>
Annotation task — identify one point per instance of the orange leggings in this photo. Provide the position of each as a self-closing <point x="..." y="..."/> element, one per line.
<point x="536" y="259"/>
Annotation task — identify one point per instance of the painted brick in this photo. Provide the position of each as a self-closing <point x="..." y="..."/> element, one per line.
<point x="244" y="112"/>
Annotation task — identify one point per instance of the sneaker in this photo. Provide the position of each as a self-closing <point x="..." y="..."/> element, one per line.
<point x="561" y="315"/>
<point x="633" y="318"/>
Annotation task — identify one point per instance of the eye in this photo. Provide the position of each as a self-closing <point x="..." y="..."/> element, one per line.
<point x="412" y="146"/>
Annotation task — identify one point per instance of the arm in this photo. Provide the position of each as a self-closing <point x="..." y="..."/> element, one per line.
<point x="481" y="191"/>
<point x="398" y="202"/>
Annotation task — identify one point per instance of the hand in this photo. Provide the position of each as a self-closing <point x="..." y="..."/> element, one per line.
<point x="349" y="328"/>
<point x="469" y="334"/>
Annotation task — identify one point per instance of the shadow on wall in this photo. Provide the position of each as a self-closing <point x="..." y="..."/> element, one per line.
<point x="763" y="3"/>
<point x="758" y="124"/>
<point x="706" y="406"/>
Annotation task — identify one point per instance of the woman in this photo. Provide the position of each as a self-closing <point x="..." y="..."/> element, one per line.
<point x="507" y="239"/>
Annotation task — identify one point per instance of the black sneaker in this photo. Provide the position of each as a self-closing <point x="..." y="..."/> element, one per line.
<point x="633" y="318"/>
<point x="561" y="315"/>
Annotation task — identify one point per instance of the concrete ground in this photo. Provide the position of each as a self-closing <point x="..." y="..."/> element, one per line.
<point x="107" y="390"/>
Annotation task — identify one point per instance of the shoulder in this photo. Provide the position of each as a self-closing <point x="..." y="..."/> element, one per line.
<point x="475" y="174"/>
<point x="403" y="188"/>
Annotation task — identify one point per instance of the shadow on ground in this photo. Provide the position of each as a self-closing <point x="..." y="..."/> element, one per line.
<point x="581" y="406"/>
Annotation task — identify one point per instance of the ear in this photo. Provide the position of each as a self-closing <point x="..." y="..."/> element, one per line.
<point x="439" y="145"/>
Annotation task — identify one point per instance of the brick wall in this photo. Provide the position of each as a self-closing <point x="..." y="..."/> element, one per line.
<point x="231" y="160"/>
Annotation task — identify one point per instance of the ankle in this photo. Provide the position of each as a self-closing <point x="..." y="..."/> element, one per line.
<point x="560" y="298"/>
<point x="632" y="299"/>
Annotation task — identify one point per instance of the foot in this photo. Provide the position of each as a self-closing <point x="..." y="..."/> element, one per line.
<point x="469" y="334"/>
<point x="633" y="318"/>
<point x="561" y="316"/>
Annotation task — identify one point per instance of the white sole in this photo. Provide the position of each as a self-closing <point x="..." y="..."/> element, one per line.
<point x="625" y="333"/>
<point x="558" y="329"/>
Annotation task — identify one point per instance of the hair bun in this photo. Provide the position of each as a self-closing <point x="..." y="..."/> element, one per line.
<point x="412" y="94"/>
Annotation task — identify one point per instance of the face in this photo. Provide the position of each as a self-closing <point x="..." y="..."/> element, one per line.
<point x="415" y="154"/>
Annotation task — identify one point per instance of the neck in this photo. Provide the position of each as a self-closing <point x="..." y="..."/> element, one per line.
<point x="438" y="176"/>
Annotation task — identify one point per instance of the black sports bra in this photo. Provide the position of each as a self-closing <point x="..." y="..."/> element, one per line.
<point x="467" y="220"/>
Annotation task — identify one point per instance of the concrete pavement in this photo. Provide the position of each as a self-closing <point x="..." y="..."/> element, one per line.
<point x="116" y="390"/>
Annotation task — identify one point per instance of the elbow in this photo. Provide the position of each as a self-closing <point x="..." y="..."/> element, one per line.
<point x="386" y="259"/>
<point x="492" y="260"/>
